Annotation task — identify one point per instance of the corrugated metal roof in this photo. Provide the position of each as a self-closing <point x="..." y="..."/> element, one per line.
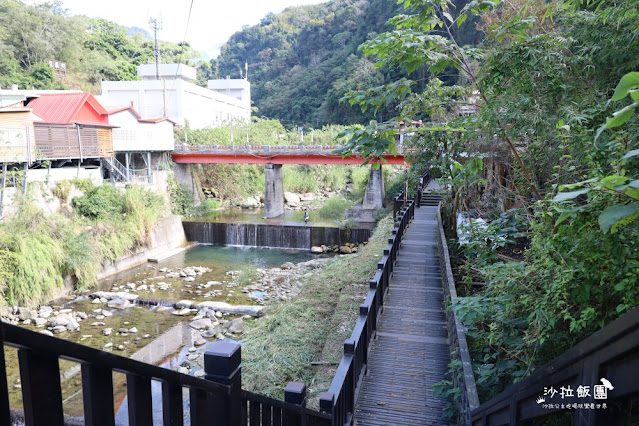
<point x="62" y="108"/>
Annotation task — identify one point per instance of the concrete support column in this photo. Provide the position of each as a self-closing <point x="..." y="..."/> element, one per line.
<point x="273" y="191"/>
<point x="374" y="196"/>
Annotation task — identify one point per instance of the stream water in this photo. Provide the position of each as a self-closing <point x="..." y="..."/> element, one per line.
<point x="135" y="330"/>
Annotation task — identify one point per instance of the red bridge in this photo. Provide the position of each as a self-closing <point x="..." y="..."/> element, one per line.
<point x="283" y="154"/>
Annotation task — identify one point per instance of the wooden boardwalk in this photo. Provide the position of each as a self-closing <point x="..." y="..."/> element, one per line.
<point x="411" y="350"/>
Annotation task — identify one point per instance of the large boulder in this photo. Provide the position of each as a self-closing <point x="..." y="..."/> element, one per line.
<point x="317" y="250"/>
<point x="201" y="323"/>
<point x="119" y="304"/>
<point x="345" y="250"/>
<point x="292" y="199"/>
<point x="236" y="326"/>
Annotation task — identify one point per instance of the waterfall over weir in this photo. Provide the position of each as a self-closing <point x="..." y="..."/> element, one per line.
<point x="274" y="236"/>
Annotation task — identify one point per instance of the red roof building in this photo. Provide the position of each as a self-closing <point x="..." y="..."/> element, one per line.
<point x="70" y="108"/>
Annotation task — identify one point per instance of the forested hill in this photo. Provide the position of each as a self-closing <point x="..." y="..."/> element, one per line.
<point x="94" y="49"/>
<point x="302" y="60"/>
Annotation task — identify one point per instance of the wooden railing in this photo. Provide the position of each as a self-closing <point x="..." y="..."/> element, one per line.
<point x="463" y="380"/>
<point x="216" y="400"/>
<point x="340" y="399"/>
<point x="611" y="353"/>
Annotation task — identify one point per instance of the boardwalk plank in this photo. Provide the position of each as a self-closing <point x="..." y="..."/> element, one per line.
<point x="411" y="352"/>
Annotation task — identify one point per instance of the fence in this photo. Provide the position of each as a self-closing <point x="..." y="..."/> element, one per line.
<point x="216" y="400"/>
<point x="464" y="380"/>
<point x="340" y="399"/>
<point x="611" y="353"/>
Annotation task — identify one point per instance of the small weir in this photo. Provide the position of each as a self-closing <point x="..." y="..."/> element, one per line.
<point x="273" y="236"/>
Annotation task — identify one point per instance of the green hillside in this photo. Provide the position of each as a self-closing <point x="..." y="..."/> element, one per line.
<point x="94" y="49"/>
<point x="303" y="60"/>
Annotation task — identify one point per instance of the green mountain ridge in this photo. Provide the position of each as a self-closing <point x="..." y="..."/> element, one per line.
<point x="302" y="60"/>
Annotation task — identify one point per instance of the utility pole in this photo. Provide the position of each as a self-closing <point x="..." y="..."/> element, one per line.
<point x="156" y="25"/>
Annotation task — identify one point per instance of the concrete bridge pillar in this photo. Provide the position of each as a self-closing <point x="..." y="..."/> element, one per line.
<point x="374" y="196"/>
<point x="273" y="191"/>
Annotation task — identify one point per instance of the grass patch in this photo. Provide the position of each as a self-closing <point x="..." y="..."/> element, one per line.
<point x="281" y="346"/>
<point x="334" y="207"/>
<point x="36" y="251"/>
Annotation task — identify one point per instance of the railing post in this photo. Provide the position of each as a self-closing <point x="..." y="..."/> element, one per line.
<point x="295" y="393"/>
<point x="223" y="365"/>
<point x="327" y="405"/>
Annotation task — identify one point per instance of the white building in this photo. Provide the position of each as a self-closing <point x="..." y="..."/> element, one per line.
<point x="176" y="97"/>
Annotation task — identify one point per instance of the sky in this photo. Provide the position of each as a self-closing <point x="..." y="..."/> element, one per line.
<point x="212" y="21"/>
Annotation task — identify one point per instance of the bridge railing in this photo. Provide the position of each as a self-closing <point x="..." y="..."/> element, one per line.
<point x="257" y="149"/>
<point x="216" y="400"/>
<point x="463" y="380"/>
<point x="340" y="399"/>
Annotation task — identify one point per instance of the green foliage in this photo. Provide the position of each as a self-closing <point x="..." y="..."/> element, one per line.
<point x="93" y="49"/>
<point x="334" y="207"/>
<point x="37" y="251"/>
<point x="101" y="202"/>
<point x="83" y="185"/>
<point x="62" y="190"/>
<point x="303" y="60"/>
<point x="296" y="179"/>
<point x="180" y="196"/>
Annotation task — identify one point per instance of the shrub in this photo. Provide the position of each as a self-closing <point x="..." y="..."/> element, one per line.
<point x="100" y="202"/>
<point x="335" y="207"/>
<point x="62" y="190"/>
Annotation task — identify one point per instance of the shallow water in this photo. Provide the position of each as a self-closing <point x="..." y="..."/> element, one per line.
<point x="150" y="321"/>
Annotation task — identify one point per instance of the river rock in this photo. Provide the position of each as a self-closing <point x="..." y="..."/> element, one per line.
<point x="345" y="250"/>
<point x="133" y="330"/>
<point x="26" y="314"/>
<point x="120" y="347"/>
<point x="183" y="370"/>
<point x="47" y="332"/>
<point x="108" y="295"/>
<point x="73" y="324"/>
<point x="107" y="313"/>
<point x="108" y="345"/>
<point x="292" y="199"/>
<point x="181" y="312"/>
<point x="316" y="250"/>
<point x="119" y="304"/>
<point x="200" y="373"/>
<point x="254" y="311"/>
<point x="184" y="304"/>
<point x="45" y="311"/>
<point x="40" y="322"/>
<point x="107" y="331"/>
<point x="189" y="279"/>
<point x="199" y="341"/>
<point x="250" y="203"/>
<point x="201" y="323"/>
<point x="59" y="329"/>
<point x="236" y="326"/>
<point x="59" y="321"/>
<point x="288" y="265"/>
<point x="5" y="311"/>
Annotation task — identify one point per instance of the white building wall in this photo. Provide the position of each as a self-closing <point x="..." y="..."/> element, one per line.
<point x="184" y="101"/>
<point x="132" y="135"/>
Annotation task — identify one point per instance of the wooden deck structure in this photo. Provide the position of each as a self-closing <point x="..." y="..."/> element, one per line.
<point x="411" y="351"/>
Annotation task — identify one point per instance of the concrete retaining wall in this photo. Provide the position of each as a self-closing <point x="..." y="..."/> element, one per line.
<point x="167" y="234"/>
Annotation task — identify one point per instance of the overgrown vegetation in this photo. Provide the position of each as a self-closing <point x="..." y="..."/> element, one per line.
<point x="280" y="347"/>
<point x="36" y="251"/>
<point x="549" y="155"/>
<point x="93" y="49"/>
